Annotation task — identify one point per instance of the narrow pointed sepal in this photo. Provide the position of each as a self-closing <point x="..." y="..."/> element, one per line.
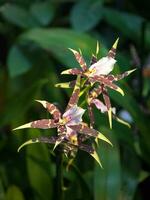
<point x="102" y="137"/>
<point x="118" y="89"/>
<point x="64" y="85"/>
<point x="97" y="48"/>
<point x="28" y="125"/>
<point x="66" y="71"/>
<point x="122" y="122"/>
<point x="73" y="51"/>
<point x="56" y="144"/>
<point x="115" y="43"/>
<point x="130" y="71"/>
<point x="32" y="141"/>
<point x="110" y="117"/>
<point x="42" y="102"/>
<point x="96" y="157"/>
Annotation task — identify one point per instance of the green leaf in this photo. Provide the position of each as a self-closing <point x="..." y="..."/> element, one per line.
<point x="86" y="14"/>
<point x="39" y="168"/>
<point x="18" y="16"/>
<point x="17" y="62"/>
<point x="128" y="24"/>
<point x="59" y="40"/>
<point x="14" y="193"/>
<point x="107" y="182"/>
<point x="43" y="12"/>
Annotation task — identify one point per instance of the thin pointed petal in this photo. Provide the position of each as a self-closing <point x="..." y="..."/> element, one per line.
<point x="41" y="102"/>
<point x="97" y="47"/>
<point x="130" y="71"/>
<point x="123" y="75"/>
<point x="112" y="51"/>
<point x="96" y="157"/>
<point x="75" y="95"/>
<point x="120" y="91"/>
<point x="73" y="51"/>
<point x="110" y="117"/>
<point x="51" y="108"/>
<point x="74" y="71"/>
<point x="28" y="142"/>
<point x="70" y="84"/>
<point x="102" y="137"/>
<point x="42" y="124"/>
<point x="56" y="144"/>
<point x="122" y="121"/>
<point x="116" y="43"/>
<point x="79" y="59"/>
<point x="28" y="125"/>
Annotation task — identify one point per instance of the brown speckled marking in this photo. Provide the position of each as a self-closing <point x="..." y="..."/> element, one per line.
<point x="76" y="71"/>
<point x="43" y="124"/>
<point x="112" y="53"/>
<point x="73" y="99"/>
<point x="121" y="76"/>
<point x="104" y="81"/>
<point x="91" y="115"/>
<point x="96" y="92"/>
<point x="93" y="60"/>
<point x="88" y="148"/>
<point x="81" y="61"/>
<point x="106" y="99"/>
<point x="83" y="128"/>
<point x="53" y="110"/>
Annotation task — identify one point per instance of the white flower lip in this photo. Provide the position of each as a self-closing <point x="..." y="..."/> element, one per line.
<point x="74" y="115"/>
<point x="103" y="67"/>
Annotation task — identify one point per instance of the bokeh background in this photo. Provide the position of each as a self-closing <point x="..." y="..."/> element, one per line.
<point x="34" y="40"/>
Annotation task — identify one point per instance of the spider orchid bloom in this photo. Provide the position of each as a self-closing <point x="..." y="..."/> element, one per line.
<point x="98" y="69"/>
<point x="69" y="126"/>
<point x="106" y="64"/>
<point x="73" y="116"/>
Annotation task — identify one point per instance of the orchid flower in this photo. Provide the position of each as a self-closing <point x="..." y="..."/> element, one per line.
<point x="98" y="72"/>
<point x="69" y="127"/>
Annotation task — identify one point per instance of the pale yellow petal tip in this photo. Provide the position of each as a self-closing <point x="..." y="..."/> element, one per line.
<point x="95" y="156"/>
<point x="116" y="43"/>
<point x="102" y="137"/>
<point x="97" y="47"/>
<point x="73" y="51"/>
<point x="28" y="125"/>
<point x="110" y="118"/>
<point x="56" y="144"/>
<point x="64" y="72"/>
<point x="24" y="144"/>
<point x="120" y="91"/>
<point x="123" y="122"/>
<point x="80" y="51"/>
<point x="130" y="71"/>
<point x="42" y="102"/>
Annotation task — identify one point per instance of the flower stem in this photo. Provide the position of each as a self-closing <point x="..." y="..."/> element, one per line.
<point x="59" y="175"/>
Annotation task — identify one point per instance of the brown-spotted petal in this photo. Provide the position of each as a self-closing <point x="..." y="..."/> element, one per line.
<point x="50" y="140"/>
<point x="42" y="124"/>
<point x="79" y="59"/>
<point x="123" y="75"/>
<point x="75" y="95"/>
<point x="51" y="108"/>
<point x="74" y="71"/>
<point x="112" y="52"/>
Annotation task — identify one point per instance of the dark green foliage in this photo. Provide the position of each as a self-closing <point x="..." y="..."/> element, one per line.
<point x="34" y="41"/>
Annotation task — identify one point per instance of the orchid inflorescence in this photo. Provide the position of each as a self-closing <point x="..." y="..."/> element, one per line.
<point x="72" y="132"/>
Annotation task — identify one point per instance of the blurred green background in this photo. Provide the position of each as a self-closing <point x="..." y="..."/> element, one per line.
<point x="34" y="37"/>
